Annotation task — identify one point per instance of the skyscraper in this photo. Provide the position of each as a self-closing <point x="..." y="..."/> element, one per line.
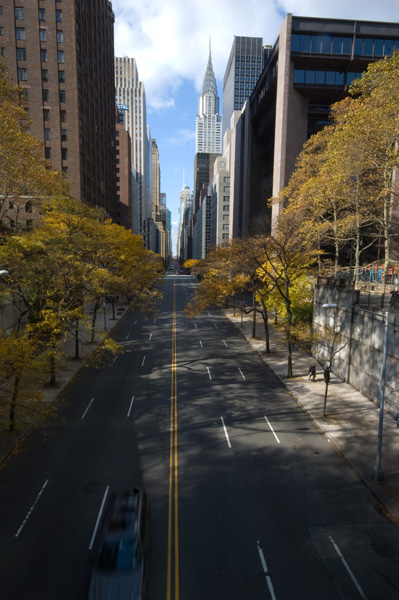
<point x="131" y="101"/>
<point x="208" y="121"/>
<point x="61" y="54"/>
<point x="242" y="73"/>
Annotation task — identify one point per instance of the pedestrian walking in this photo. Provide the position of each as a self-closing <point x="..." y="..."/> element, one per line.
<point x="312" y="371"/>
<point x="394" y="298"/>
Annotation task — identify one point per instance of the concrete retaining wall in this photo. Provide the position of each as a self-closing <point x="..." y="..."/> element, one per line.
<point x="353" y="338"/>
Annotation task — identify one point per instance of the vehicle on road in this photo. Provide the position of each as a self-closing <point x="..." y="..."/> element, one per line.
<point x="121" y="568"/>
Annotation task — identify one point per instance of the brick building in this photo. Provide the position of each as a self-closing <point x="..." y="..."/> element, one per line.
<point x="62" y="54"/>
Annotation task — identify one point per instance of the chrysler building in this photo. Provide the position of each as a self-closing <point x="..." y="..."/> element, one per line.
<point x="208" y="121"/>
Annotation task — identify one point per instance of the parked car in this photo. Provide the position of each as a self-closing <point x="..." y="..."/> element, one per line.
<point x="121" y="568"/>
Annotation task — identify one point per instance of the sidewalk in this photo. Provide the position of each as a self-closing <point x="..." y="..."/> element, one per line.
<point x="351" y="422"/>
<point x="105" y="322"/>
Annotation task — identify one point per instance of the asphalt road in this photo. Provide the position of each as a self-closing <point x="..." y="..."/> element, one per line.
<point x="249" y="501"/>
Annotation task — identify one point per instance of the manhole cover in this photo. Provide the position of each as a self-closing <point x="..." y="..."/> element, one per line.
<point x="91" y="487"/>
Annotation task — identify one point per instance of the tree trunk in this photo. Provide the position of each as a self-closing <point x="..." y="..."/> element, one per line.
<point x="52" y="364"/>
<point x="325" y="399"/>
<point x="254" y="316"/>
<point x="93" y="322"/>
<point x="77" y="356"/>
<point x="13" y="405"/>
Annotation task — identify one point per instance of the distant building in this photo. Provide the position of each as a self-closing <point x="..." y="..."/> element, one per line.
<point x="131" y="101"/>
<point x="208" y="121"/>
<point x="61" y="54"/>
<point x="241" y="75"/>
<point x="124" y="187"/>
<point x="310" y="67"/>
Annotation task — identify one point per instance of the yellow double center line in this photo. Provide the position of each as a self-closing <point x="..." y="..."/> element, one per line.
<point x="173" y="522"/>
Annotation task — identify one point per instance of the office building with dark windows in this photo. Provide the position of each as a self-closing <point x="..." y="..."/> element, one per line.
<point x="310" y="67"/>
<point x="62" y="55"/>
<point x="242" y="72"/>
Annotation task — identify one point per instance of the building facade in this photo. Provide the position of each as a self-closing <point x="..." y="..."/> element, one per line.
<point x="241" y="75"/>
<point x="131" y="101"/>
<point x="61" y="54"/>
<point x="124" y="188"/>
<point x="309" y="68"/>
<point x="208" y="121"/>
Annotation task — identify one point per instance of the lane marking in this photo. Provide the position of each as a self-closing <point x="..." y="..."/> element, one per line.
<point x="127" y="337"/>
<point x="209" y="314"/>
<point x="150" y="336"/>
<point x="224" y="342"/>
<point x="155" y="321"/>
<point x="209" y="373"/>
<point x="225" y="433"/>
<point x="201" y="344"/>
<point x="242" y="374"/>
<point x="142" y="364"/>
<point x="114" y="361"/>
<point x="31" y="508"/>
<point x="271" y="429"/>
<point x="172" y="576"/>
<point x="347" y="567"/>
<point x="85" y="412"/>
<point x="265" y="570"/>
<point x="195" y="325"/>
<point x="135" y="322"/>
<point x="93" y="537"/>
<point x="215" y="325"/>
<point x="130" y="407"/>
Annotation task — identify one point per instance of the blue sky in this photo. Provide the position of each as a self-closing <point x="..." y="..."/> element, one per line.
<point x="170" y="41"/>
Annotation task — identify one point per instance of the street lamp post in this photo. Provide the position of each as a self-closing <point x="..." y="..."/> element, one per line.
<point x="378" y="472"/>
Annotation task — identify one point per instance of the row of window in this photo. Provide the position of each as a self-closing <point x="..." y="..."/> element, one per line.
<point x="22" y="75"/>
<point x="20" y="34"/>
<point x="333" y="45"/>
<point x="64" y="156"/>
<point x="47" y="134"/>
<point x="316" y="77"/>
<point x="19" y="13"/>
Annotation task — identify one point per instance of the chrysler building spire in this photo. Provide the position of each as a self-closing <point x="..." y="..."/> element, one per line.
<point x="209" y="122"/>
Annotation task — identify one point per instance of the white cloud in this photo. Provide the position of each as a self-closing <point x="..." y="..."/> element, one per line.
<point x="181" y="138"/>
<point x="170" y="40"/>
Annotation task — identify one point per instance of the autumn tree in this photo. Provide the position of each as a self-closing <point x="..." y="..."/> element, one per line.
<point x="25" y="178"/>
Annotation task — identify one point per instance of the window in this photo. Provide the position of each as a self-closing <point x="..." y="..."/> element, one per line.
<point x="47" y="153"/>
<point x="42" y="14"/>
<point x="61" y="76"/>
<point x="1" y="10"/>
<point x="28" y="207"/>
<point x="21" y="53"/>
<point x="65" y="171"/>
<point x="47" y="134"/>
<point x="62" y="96"/>
<point x="19" y="33"/>
<point x="63" y="117"/>
<point x="43" y="55"/>
<point x="58" y="16"/>
<point x="1" y="30"/>
<point x="226" y="207"/>
<point x="226" y="188"/>
<point x="44" y="75"/>
<point x="64" y="135"/>
<point x="45" y="95"/>
<point x="19" y="12"/>
<point x="226" y="179"/>
<point x="60" y="36"/>
<point x="43" y="35"/>
<point x="22" y="74"/>
<point x="64" y="153"/>
<point x="60" y="57"/>
<point x="46" y="114"/>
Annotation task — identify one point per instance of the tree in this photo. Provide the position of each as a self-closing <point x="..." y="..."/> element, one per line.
<point x="284" y="259"/>
<point x="25" y="178"/>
